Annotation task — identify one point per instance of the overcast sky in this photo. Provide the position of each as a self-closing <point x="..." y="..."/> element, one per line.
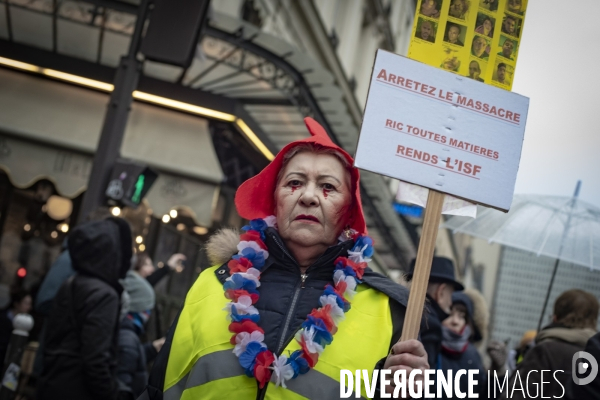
<point x="559" y="70"/>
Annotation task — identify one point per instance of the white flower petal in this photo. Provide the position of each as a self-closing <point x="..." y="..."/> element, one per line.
<point x="240" y="309"/>
<point x="254" y="272"/>
<point x="243" y="338"/>
<point x="358" y="256"/>
<point x="308" y="335"/>
<point x="338" y="276"/>
<point x="271" y="221"/>
<point x="251" y="276"/>
<point x="336" y="312"/>
<point x="257" y="336"/>
<point x="282" y="371"/>
<point x="350" y="282"/>
<point x="244" y="301"/>
<point x="253" y="245"/>
<point x="349" y="294"/>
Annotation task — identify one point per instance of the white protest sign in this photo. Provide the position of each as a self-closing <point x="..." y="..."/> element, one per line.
<point x="443" y="131"/>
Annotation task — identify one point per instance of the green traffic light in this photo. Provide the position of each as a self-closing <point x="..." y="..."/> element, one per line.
<point x="139" y="186"/>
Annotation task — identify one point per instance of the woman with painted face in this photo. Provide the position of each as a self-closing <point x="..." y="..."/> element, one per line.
<point x="461" y="330"/>
<point x="291" y="301"/>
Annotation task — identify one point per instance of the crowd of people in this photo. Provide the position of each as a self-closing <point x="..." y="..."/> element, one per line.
<point x="284" y="307"/>
<point x="95" y="301"/>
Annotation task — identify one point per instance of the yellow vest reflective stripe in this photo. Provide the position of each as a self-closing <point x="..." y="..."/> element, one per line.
<point x="201" y="363"/>
<point x="224" y="364"/>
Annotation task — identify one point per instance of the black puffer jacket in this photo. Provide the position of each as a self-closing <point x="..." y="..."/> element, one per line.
<point x="286" y="300"/>
<point x="81" y="342"/>
<point x="133" y="359"/>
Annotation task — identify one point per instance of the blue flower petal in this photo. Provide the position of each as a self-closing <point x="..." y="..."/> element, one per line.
<point x="242" y="317"/>
<point x="237" y="281"/>
<point x="256" y="258"/>
<point x="361" y="242"/>
<point x="248" y="358"/>
<point x="322" y="335"/>
<point x="340" y="302"/>
<point x="329" y="290"/>
<point x="298" y="363"/>
<point x="259" y="224"/>
<point x="349" y="271"/>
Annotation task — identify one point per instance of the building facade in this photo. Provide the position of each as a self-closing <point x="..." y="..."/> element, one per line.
<point x="258" y="69"/>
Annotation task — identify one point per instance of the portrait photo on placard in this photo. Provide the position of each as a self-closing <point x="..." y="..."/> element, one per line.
<point x="480" y="47"/>
<point x="508" y="47"/>
<point x="459" y="8"/>
<point x="450" y="60"/>
<point x="431" y="8"/>
<point x="455" y="34"/>
<point x="516" y="6"/>
<point x="490" y="5"/>
<point x="426" y="30"/>
<point x="485" y="25"/>
<point x="503" y="72"/>
<point x="476" y="69"/>
<point x="511" y="25"/>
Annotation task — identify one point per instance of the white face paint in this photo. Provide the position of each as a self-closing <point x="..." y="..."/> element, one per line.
<point x="313" y="198"/>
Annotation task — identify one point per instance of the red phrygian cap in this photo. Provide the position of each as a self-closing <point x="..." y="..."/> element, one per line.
<point x="255" y="198"/>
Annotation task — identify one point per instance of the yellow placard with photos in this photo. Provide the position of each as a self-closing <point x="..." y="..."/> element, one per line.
<point x="478" y="39"/>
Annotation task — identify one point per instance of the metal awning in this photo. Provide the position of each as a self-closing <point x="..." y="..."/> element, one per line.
<point x="50" y="130"/>
<point x="271" y="83"/>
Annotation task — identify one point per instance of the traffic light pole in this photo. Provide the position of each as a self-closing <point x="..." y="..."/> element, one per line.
<point x="115" y="119"/>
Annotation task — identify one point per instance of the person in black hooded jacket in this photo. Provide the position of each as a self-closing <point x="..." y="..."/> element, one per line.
<point x="80" y="358"/>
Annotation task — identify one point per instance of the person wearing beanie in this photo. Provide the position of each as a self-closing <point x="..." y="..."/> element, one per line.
<point x="464" y="327"/>
<point x="133" y="355"/>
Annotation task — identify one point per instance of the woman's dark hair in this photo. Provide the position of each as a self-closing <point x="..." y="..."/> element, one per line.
<point x="141" y="260"/>
<point x="576" y="308"/>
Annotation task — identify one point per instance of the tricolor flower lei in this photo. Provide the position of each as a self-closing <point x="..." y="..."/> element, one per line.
<point x="319" y="327"/>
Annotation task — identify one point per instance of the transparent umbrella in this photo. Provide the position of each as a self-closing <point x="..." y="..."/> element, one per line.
<point x="564" y="228"/>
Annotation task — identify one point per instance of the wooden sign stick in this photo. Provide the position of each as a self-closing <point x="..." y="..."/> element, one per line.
<point x="418" y="289"/>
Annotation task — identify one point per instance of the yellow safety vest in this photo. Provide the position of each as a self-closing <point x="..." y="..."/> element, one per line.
<point x="202" y="364"/>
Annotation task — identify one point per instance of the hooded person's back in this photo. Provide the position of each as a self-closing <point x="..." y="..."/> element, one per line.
<point x="81" y="341"/>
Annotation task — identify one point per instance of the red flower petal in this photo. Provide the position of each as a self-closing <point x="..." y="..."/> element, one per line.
<point x="234" y="294"/>
<point x="262" y="373"/>
<point x="324" y="314"/>
<point x="311" y="358"/>
<point x="244" y="326"/>
<point x="253" y="236"/>
<point x="250" y="236"/>
<point x="340" y="288"/>
<point x="261" y="244"/>
<point x="241" y="265"/>
<point x="359" y="268"/>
